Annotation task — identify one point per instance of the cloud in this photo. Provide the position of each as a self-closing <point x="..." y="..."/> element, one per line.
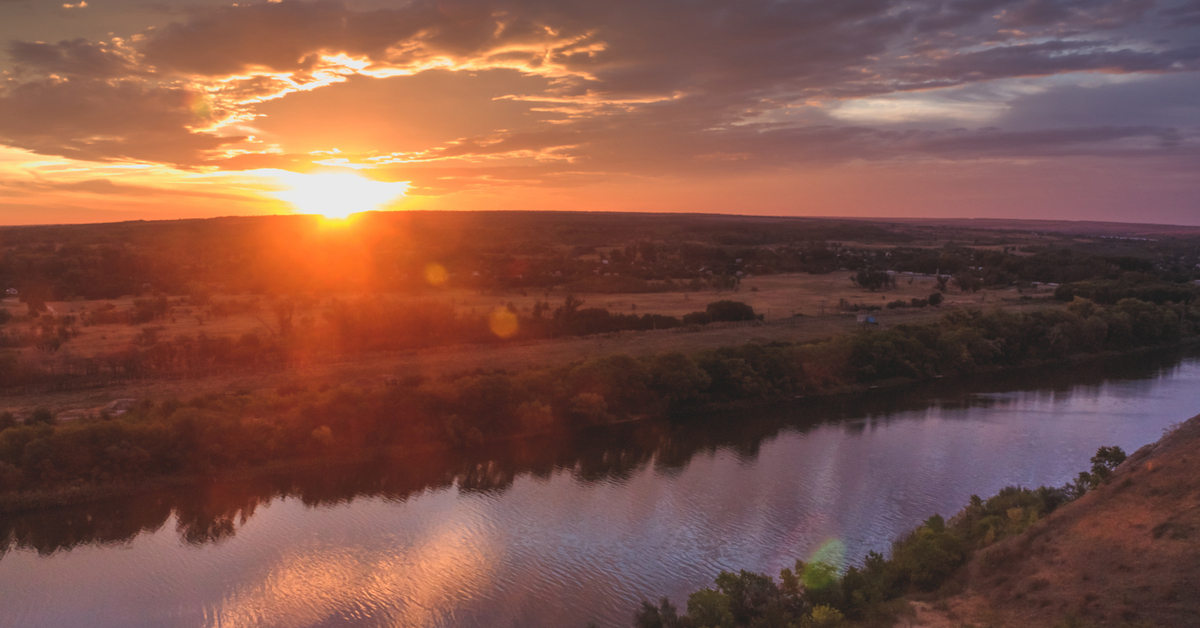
<point x="106" y="187"/>
<point x="602" y="88"/>
<point x="1042" y="59"/>
<point x="1183" y="14"/>
<point x="74" y="58"/>
<point x="1048" y="142"/>
<point x="1076" y="13"/>
<point x="107" y="121"/>
<point x="1171" y="100"/>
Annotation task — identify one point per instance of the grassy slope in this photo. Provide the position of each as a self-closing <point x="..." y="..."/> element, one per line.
<point x="1127" y="554"/>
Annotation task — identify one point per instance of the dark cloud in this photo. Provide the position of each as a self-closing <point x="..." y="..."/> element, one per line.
<point x="285" y="36"/>
<point x="1183" y="14"/>
<point x="105" y="121"/>
<point x="1044" y="142"/>
<point x="76" y="58"/>
<point x="623" y="85"/>
<point x="1076" y="13"/>
<point x="739" y="55"/>
<point x="1168" y="100"/>
<point x="1052" y="57"/>
<point x="106" y="187"/>
<point x="631" y="47"/>
<point x="951" y="14"/>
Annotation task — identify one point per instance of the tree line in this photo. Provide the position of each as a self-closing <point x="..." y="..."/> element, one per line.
<point x="198" y="437"/>
<point x="391" y="252"/>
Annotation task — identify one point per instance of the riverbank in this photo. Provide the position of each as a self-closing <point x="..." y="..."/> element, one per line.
<point x="43" y="463"/>
<point x="85" y="493"/>
<point x="436" y="362"/>
<point x="1125" y="554"/>
<point x="1113" y="548"/>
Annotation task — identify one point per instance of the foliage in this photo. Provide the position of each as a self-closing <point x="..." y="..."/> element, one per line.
<point x="1129" y="286"/>
<point x="819" y="595"/>
<point x="731" y="311"/>
<point x="873" y="279"/>
<point x="173" y="439"/>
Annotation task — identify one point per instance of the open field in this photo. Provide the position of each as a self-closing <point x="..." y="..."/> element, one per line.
<point x="777" y="296"/>
<point x="774" y="296"/>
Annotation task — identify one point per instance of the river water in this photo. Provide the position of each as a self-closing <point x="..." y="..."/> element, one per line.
<point x="558" y="532"/>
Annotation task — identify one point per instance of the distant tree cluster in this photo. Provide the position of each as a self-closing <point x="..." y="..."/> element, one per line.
<point x="391" y="252"/>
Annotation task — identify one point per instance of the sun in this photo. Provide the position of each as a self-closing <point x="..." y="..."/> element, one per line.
<point x="337" y="194"/>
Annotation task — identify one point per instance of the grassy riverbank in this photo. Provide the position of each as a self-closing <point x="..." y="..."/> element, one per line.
<point x="172" y="440"/>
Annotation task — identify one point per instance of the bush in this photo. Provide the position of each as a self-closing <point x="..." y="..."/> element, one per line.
<point x="42" y="416"/>
<point x="813" y="595"/>
<point x="731" y="311"/>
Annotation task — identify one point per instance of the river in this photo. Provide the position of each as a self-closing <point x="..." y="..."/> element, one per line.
<point x="557" y="532"/>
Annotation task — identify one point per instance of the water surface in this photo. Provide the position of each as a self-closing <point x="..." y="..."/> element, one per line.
<point x="559" y="532"/>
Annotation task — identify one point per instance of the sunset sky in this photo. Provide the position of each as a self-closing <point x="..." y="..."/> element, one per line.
<point x="1063" y="109"/>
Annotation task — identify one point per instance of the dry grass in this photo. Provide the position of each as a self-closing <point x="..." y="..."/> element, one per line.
<point x="1127" y="554"/>
<point x="777" y="296"/>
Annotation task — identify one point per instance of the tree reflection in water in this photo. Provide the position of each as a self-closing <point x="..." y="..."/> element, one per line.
<point x="212" y="511"/>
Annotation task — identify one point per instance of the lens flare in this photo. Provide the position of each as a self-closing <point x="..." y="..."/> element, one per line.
<point x="435" y="274"/>
<point x="503" y="322"/>
<point x="825" y="564"/>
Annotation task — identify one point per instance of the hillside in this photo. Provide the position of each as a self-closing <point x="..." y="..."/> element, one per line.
<point x="1126" y="554"/>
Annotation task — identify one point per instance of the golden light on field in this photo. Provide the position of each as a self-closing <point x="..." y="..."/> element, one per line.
<point x="337" y="195"/>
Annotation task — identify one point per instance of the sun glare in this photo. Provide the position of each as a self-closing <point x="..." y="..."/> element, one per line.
<point x="337" y="195"/>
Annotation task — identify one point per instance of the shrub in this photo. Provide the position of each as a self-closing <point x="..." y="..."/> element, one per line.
<point x="732" y="311"/>
<point x="43" y="416"/>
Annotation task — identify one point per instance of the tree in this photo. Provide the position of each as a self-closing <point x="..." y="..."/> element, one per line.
<point x="42" y="415"/>
<point x="872" y="279"/>
<point x="824" y="617"/>
<point x="936" y="299"/>
<point x="285" y="309"/>
<point x="730" y="311"/>
<point x="567" y="310"/>
<point x="710" y="609"/>
<point x="678" y="380"/>
<point x="1105" y="461"/>
<point x="662" y="616"/>
<point x="968" y="282"/>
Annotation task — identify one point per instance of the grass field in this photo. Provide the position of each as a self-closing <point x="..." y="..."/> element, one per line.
<point x="776" y="296"/>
